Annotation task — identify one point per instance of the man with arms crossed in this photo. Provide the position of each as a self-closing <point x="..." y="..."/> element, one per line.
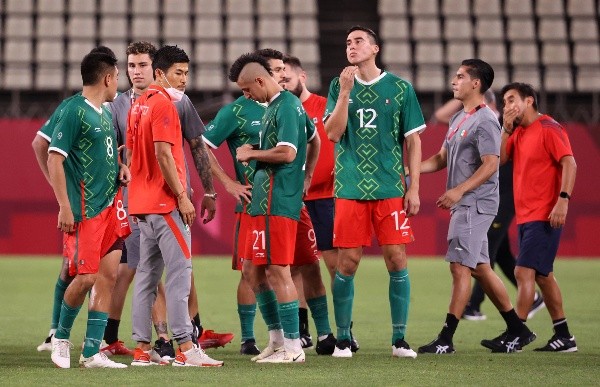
<point x="371" y="114"/>
<point x="84" y="172"/>
<point x="544" y="176"/>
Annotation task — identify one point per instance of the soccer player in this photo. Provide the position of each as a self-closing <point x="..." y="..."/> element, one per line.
<point x="158" y="198"/>
<point x="371" y="115"/>
<point x="84" y="171"/>
<point x="275" y="205"/>
<point x="470" y="151"/>
<point x="544" y="176"/>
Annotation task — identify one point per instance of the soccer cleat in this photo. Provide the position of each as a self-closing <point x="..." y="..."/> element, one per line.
<point x="559" y="344"/>
<point x="143" y="358"/>
<point x="439" y="346"/>
<point x="46" y="345"/>
<point x="509" y="343"/>
<point x="249" y="348"/>
<point x="327" y="345"/>
<point x="402" y="349"/>
<point x="342" y="349"/>
<point x="212" y="339"/>
<point x="538" y="304"/>
<point x="284" y="356"/>
<point x="354" y="346"/>
<point x="99" y="360"/>
<point x="473" y="314"/>
<point x="266" y="352"/>
<point x="195" y="357"/>
<point x="306" y="341"/>
<point x="61" y="352"/>
<point x="116" y="348"/>
<point x="164" y="349"/>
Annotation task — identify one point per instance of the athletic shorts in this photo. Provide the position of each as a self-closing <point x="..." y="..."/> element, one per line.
<point x="132" y="244"/>
<point x="467" y="236"/>
<point x="321" y="215"/>
<point x="240" y="232"/>
<point x="305" y="252"/>
<point x="94" y="238"/>
<point x="272" y="240"/>
<point x="355" y="221"/>
<point x="538" y="245"/>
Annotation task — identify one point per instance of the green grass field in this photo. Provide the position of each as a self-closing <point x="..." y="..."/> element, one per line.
<point x="26" y="294"/>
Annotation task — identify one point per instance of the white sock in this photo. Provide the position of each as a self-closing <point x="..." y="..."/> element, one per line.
<point x="292" y="345"/>
<point x="52" y="332"/>
<point x="276" y="338"/>
<point x="321" y="338"/>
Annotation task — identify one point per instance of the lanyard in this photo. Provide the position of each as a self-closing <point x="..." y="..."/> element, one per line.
<point x="466" y="117"/>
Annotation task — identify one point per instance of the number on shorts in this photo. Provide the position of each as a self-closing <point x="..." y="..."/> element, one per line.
<point x="396" y="216"/>
<point x="259" y="237"/>
<point x="312" y="238"/>
<point x="121" y="213"/>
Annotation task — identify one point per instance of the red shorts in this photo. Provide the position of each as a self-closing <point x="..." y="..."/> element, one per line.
<point x="355" y="219"/>
<point x="94" y="238"/>
<point x="272" y="240"/>
<point x="306" y="251"/>
<point x="240" y="252"/>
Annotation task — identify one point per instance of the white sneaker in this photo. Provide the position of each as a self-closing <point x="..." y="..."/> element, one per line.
<point x="283" y="356"/>
<point x="100" y="360"/>
<point x="147" y="358"/>
<point x="46" y="345"/>
<point x="266" y="353"/>
<point x="61" y="352"/>
<point x="402" y="349"/>
<point x="195" y="357"/>
<point x="342" y="349"/>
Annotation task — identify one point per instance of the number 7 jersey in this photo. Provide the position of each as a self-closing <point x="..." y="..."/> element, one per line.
<point x="369" y="161"/>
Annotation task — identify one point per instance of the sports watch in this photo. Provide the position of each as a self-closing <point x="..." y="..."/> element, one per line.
<point x="564" y="195"/>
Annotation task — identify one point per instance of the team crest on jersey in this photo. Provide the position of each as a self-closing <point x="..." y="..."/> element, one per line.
<point x="315" y="120"/>
<point x="463" y="134"/>
<point x="387" y="101"/>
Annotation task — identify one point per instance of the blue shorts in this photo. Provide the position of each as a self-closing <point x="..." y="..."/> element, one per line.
<point x="538" y="244"/>
<point x="321" y="215"/>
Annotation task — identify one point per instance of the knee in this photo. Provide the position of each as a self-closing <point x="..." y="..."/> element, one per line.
<point x="87" y="281"/>
<point x="523" y="274"/>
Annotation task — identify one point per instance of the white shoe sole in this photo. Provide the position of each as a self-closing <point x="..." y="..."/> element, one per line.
<point x="402" y="352"/>
<point x="345" y="354"/>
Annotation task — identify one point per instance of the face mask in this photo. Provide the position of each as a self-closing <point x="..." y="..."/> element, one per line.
<point x="175" y="94"/>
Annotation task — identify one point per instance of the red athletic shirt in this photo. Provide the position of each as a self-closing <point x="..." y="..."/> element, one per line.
<point x="153" y="118"/>
<point x="321" y="186"/>
<point x="536" y="151"/>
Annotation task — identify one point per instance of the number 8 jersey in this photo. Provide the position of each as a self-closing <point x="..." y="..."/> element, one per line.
<point x="369" y="157"/>
<point x="84" y="135"/>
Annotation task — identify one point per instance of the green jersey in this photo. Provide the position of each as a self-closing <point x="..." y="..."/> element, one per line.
<point x="238" y="123"/>
<point x="369" y="157"/>
<point x="48" y="127"/>
<point x="277" y="188"/>
<point x="85" y="135"/>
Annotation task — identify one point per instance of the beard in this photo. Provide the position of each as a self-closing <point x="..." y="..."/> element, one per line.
<point x="297" y="90"/>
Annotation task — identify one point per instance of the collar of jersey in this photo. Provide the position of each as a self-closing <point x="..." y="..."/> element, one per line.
<point x="93" y="107"/>
<point x="274" y="98"/>
<point x="383" y="74"/>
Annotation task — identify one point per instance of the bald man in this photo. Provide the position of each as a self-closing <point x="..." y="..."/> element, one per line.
<point x="275" y="207"/>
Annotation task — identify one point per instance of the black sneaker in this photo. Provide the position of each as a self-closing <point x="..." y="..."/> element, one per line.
<point x="327" y="345"/>
<point x="559" y="344"/>
<point x="509" y="343"/>
<point x="306" y="341"/>
<point x="537" y="305"/>
<point x="164" y="349"/>
<point x="354" y="346"/>
<point x="249" y="348"/>
<point x="438" y="346"/>
<point x="473" y="314"/>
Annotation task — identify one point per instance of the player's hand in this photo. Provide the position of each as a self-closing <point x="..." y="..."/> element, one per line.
<point x="307" y="181"/>
<point x="124" y="174"/>
<point x="508" y="118"/>
<point x="187" y="210"/>
<point x="412" y="203"/>
<point x="558" y="215"/>
<point x="347" y="78"/>
<point x="210" y="205"/>
<point x="242" y="154"/>
<point x="449" y="198"/>
<point x="66" y="221"/>
<point x="242" y="193"/>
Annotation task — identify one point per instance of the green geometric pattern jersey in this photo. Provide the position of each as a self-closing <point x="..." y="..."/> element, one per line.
<point x="369" y="156"/>
<point x="86" y="137"/>
<point x="48" y="128"/>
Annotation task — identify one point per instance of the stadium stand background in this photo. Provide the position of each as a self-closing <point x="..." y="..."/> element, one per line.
<point x="552" y="44"/>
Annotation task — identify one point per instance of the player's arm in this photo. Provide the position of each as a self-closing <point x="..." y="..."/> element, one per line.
<point x="58" y="181"/>
<point x="203" y="166"/>
<point x="488" y="167"/>
<point x="435" y="163"/>
<point x="312" y="155"/>
<point x="40" y="147"/>
<point x="166" y="162"/>
<point x="336" y="122"/>
<point x="412" y="202"/>
<point x="239" y="191"/>
<point x="558" y="216"/>
<point x="280" y="154"/>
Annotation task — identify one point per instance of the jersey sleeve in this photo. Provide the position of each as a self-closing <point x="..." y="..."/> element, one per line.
<point x="288" y="121"/>
<point x="164" y="123"/>
<point x="220" y="128"/>
<point x="488" y="138"/>
<point x="332" y="96"/>
<point x="411" y="116"/>
<point x="48" y="128"/>
<point x="191" y="124"/>
<point x="66" y="131"/>
<point x="557" y="143"/>
<point x="311" y="129"/>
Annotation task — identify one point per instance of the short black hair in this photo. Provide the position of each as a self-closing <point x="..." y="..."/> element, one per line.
<point x="292" y="61"/>
<point x="105" y="50"/>
<point x="242" y="61"/>
<point x="167" y="56"/>
<point x="96" y="65"/>
<point x="524" y="89"/>
<point x="270" y="53"/>
<point x="141" y="47"/>
<point x="478" y="69"/>
<point x="369" y="32"/>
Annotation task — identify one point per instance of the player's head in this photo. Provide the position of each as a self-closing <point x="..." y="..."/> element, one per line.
<point x="99" y="69"/>
<point x="295" y="76"/>
<point x="480" y="72"/>
<point x="104" y="50"/>
<point x="521" y="96"/>
<point x="252" y="74"/>
<point x="362" y="45"/>
<point x="275" y="60"/>
<point x="139" y="64"/>
<point x="171" y="67"/>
